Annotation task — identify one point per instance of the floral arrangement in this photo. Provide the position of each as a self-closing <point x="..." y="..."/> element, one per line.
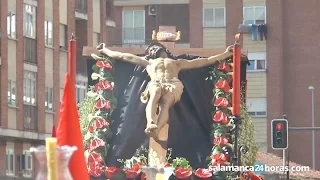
<point x="222" y="125"/>
<point x="96" y="131"/>
<point x="100" y="103"/>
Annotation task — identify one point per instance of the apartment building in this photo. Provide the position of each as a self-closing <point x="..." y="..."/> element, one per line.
<point x="281" y="48"/>
<point x="33" y="68"/>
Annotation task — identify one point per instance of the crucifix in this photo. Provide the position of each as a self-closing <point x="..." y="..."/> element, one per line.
<point x="164" y="89"/>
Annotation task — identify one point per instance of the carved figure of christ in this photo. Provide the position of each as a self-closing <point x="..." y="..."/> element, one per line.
<point x="164" y="89"/>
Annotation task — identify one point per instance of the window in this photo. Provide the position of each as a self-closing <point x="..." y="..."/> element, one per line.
<point x="81" y="5"/>
<point x="63" y="36"/>
<point x="257" y="107"/>
<point x="49" y="99"/>
<point x="29" y="20"/>
<point x="257" y="61"/>
<point x="133" y="27"/>
<point x="12" y="93"/>
<point x="29" y="99"/>
<point x="30" y="117"/>
<point x="10" y="162"/>
<point x="214" y="17"/>
<point x="81" y="89"/>
<point x="48" y="33"/>
<point x="29" y="87"/>
<point x="11" y="25"/>
<point x="30" y="49"/>
<point x="28" y="164"/>
<point x="110" y="8"/>
<point x="254" y="15"/>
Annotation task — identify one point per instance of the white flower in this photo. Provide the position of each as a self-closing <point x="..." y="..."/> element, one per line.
<point x="90" y="117"/>
<point x="154" y="160"/>
<point x="95" y="76"/>
<point x="87" y="136"/>
<point x="91" y="94"/>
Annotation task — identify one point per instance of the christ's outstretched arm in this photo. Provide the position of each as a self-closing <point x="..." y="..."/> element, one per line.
<point x="201" y="62"/>
<point x="130" y="58"/>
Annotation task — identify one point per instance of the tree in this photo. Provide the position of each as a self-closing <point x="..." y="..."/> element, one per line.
<point x="247" y="135"/>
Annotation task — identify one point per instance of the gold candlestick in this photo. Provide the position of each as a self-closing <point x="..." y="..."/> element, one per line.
<point x="52" y="158"/>
<point x="160" y="176"/>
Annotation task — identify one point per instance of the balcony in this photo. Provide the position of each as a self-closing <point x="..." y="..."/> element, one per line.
<point x="81" y="6"/>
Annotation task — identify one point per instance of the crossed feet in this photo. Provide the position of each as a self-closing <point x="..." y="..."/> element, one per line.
<point x="152" y="130"/>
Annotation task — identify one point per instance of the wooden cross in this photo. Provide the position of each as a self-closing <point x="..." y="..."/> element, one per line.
<point x="167" y="36"/>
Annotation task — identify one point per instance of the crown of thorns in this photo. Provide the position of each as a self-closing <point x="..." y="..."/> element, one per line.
<point x="154" y="48"/>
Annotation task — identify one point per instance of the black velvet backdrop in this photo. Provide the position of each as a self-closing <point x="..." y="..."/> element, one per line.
<point x="190" y="119"/>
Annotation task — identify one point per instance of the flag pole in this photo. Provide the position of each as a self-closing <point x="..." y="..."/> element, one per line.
<point x="72" y="59"/>
<point x="236" y="83"/>
<point x="236" y="100"/>
<point x="72" y="66"/>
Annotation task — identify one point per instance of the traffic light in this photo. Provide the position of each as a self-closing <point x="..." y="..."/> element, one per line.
<point x="279" y="133"/>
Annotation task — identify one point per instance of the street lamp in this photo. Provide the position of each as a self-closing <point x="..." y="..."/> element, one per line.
<point x="311" y="88"/>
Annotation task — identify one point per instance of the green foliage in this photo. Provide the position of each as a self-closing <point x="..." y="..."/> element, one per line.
<point x="85" y="108"/>
<point x="247" y="135"/>
<point x="181" y="162"/>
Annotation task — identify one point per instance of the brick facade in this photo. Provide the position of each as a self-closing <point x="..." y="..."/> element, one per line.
<point x="41" y="66"/>
<point x="56" y="61"/>
<point x="4" y="65"/>
<point x="23" y="142"/>
<point x="196" y="19"/>
<point x="19" y="65"/>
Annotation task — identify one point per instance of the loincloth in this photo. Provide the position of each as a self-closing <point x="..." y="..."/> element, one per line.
<point x="174" y="86"/>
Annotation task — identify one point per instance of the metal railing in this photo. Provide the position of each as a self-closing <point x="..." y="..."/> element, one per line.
<point x="129" y="36"/>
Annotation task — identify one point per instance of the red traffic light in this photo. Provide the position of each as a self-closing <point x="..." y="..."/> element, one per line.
<point x="279" y="126"/>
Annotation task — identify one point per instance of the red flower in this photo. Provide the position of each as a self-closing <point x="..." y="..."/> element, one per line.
<point x="220" y="140"/>
<point x="220" y="116"/>
<point x="183" y="173"/>
<point x="104" y="85"/>
<point x="96" y="143"/>
<point x="167" y="165"/>
<point x="103" y="104"/>
<point x="95" y="157"/>
<point x="101" y="123"/>
<point x="203" y="173"/>
<point x="224" y="67"/>
<point x="250" y="175"/>
<point x="91" y="129"/>
<point x="96" y="87"/>
<point x="219" y="157"/>
<point x="133" y="172"/>
<point x="95" y="169"/>
<point x="221" y="102"/>
<point x="223" y="84"/>
<point x="104" y="64"/>
<point x="110" y="172"/>
<point x="143" y="176"/>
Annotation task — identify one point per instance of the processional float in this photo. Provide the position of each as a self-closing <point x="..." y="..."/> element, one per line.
<point x="167" y="36"/>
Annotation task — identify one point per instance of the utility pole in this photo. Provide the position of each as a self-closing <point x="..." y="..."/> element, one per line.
<point x="284" y="151"/>
<point x="286" y="155"/>
<point x="313" y="132"/>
